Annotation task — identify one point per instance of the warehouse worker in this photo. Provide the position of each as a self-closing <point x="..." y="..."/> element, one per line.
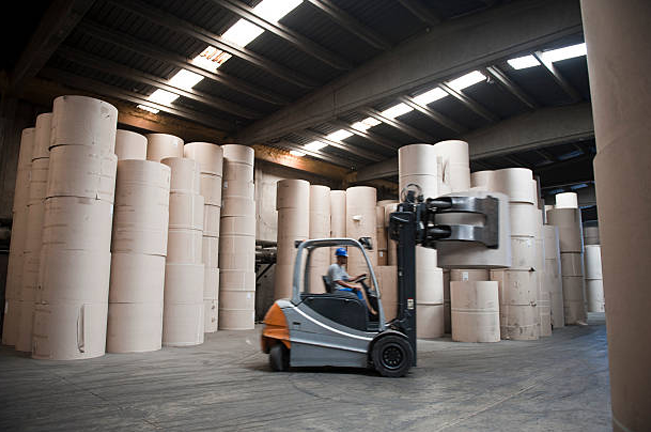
<point x="343" y="282"/>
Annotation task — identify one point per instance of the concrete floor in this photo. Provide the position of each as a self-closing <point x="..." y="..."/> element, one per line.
<point x="554" y="384"/>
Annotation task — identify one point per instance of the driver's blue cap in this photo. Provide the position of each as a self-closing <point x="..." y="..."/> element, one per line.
<point x="341" y="252"/>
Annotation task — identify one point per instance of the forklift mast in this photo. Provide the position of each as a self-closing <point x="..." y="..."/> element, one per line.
<point x="414" y="224"/>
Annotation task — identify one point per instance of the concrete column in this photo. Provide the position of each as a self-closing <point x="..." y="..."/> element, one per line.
<point x="618" y="37"/>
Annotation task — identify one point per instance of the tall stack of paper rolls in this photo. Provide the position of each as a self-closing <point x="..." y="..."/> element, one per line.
<point x="568" y="221"/>
<point x="19" y="233"/>
<point x="337" y="216"/>
<point x="518" y="286"/>
<point x="591" y="233"/>
<point x="387" y="279"/>
<point x="382" y="232"/>
<point x="210" y="158"/>
<point x="319" y="228"/>
<point x="184" y="270"/>
<point x="594" y="279"/>
<point x="544" y="294"/>
<point x="130" y="145"/>
<point x="552" y="275"/>
<point x="161" y="146"/>
<point x="292" y="203"/>
<point x="70" y="316"/>
<point x="34" y="239"/>
<point x="360" y="222"/>
<point x="420" y="164"/>
<point x="138" y="251"/>
<point x="237" y="240"/>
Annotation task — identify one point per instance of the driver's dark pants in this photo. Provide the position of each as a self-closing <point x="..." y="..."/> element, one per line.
<point x="358" y="292"/>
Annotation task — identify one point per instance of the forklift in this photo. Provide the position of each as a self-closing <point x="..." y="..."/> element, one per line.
<point x="335" y="328"/>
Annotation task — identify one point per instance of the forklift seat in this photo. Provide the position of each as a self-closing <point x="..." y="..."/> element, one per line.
<point x="328" y="285"/>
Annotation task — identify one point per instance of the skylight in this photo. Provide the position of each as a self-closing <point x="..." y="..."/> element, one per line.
<point x="523" y="62"/>
<point x="242" y="33"/>
<point x="185" y="79"/>
<point x="397" y="110"/>
<point x="365" y="124"/>
<point x="339" y="135"/>
<point x="564" y="53"/>
<point x="274" y="10"/>
<point x="315" y="145"/>
<point x="579" y="186"/>
<point x="211" y="58"/>
<point x="296" y="153"/>
<point x="147" y="108"/>
<point x="430" y="96"/>
<point x="163" y="97"/>
<point x="467" y="80"/>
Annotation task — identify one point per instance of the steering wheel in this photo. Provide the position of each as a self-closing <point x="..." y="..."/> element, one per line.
<point x="362" y="278"/>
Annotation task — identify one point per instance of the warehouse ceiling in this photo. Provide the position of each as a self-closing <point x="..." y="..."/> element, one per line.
<point x="337" y="81"/>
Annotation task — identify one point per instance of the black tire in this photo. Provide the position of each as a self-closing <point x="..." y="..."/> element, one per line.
<point x="392" y="356"/>
<point x="279" y="357"/>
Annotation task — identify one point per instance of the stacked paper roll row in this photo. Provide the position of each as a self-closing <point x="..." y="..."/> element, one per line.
<point x="183" y="312"/>
<point x="420" y="164"/>
<point x="381" y="235"/>
<point x="392" y="245"/>
<point x="70" y="316"/>
<point x="544" y="293"/>
<point x="237" y="240"/>
<point x="130" y="145"/>
<point x="161" y="146"/>
<point x="568" y="222"/>
<point x="292" y="203"/>
<point x="361" y="222"/>
<point x="210" y="157"/>
<point x="34" y="238"/>
<point x="552" y="275"/>
<point x="19" y="233"/>
<point x="455" y="163"/>
<point x="447" y="304"/>
<point x="138" y="253"/>
<point x="337" y="216"/>
<point x="319" y="228"/>
<point x="594" y="279"/>
<point x="591" y="234"/>
<point x="387" y="279"/>
<point x="475" y="311"/>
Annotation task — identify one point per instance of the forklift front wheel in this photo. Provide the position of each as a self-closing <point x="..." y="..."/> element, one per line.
<point x="392" y="356"/>
<point x="279" y="357"/>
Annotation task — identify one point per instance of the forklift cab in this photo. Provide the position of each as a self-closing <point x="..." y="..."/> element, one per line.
<point x="342" y="307"/>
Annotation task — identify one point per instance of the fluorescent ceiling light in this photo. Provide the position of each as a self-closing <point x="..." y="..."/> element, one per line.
<point x="242" y="33"/>
<point x="185" y="79"/>
<point x="163" y="97"/>
<point x="274" y="10"/>
<point x="430" y="96"/>
<point x="365" y="124"/>
<point x="467" y="80"/>
<point x="147" y="108"/>
<point x="315" y="145"/>
<point x="397" y="110"/>
<point x="339" y="135"/>
<point x="579" y="186"/>
<point x="523" y="62"/>
<point x="564" y="53"/>
<point x="211" y="58"/>
<point x="296" y="153"/>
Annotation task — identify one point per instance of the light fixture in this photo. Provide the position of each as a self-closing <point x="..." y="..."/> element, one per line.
<point x="148" y="108"/>
<point x="163" y="97"/>
<point x="430" y="96"/>
<point x="274" y="10"/>
<point x="296" y="153"/>
<point x="564" y="53"/>
<point x="185" y="79"/>
<point x="339" y="135"/>
<point x="365" y="124"/>
<point x="467" y="80"/>
<point x="397" y="110"/>
<point x="315" y="145"/>
<point x="211" y="58"/>
<point x="523" y="62"/>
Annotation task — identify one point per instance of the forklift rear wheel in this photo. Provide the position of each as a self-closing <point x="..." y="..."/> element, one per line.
<point x="392" y="356"/>
<point x="279" y="357"/>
